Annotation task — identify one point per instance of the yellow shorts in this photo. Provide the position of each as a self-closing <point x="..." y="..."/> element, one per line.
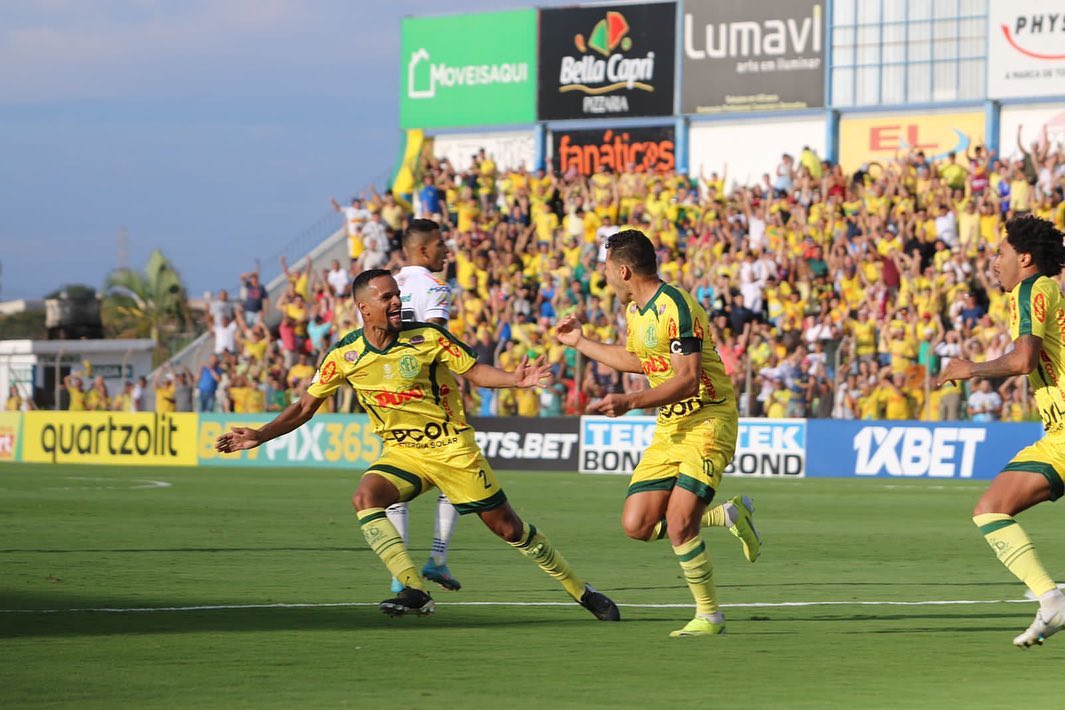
<point x="459" y="470"/>
<point x="1045" y="457"/>
<point x="691" y="456"/>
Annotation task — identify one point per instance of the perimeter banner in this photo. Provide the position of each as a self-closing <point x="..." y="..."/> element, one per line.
<point x="123" y="438"/>
<point x="346" y="441"/>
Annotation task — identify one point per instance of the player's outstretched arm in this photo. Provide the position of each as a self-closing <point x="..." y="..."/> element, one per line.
<point x="616" y="356"/>
<point x="1020" y="361"/>
<point x="527" y="374"/>
<point x="292" y="417"/>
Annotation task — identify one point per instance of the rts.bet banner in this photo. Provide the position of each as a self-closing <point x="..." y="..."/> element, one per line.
<point x="607" y="60"/>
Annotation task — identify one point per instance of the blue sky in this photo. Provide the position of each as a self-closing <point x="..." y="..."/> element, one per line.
<point x="216" y="130"/>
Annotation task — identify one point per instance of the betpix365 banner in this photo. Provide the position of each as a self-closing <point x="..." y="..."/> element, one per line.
<point x="745" y="56"/>
<point x="468" y="70"/>
<point x="1026" y="49"/>
<point x="607" y="60"/>
<point x="646" y="150"/>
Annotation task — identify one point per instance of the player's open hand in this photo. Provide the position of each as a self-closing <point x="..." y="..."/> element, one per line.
<point x="956" y="369"/>
<point x="531" y="374"/>
<point x="238" y="439"/>
<point x="568" y="331"/>
<point x="613" y="405"/>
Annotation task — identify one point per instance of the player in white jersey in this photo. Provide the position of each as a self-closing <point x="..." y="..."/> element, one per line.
<point x="426" y="299"/>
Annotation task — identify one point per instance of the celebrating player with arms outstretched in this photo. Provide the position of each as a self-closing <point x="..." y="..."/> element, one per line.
<point x="402" y="375"/>
<point x="1030" y="255"/>
<point x="668" y="340"/>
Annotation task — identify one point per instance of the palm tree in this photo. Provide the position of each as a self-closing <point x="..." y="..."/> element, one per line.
<point x="149" y="304"/>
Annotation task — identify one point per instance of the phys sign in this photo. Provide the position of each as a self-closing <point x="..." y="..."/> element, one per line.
<point x="764" y="447"/>
<point x="867" y="139"/>
<point x="1026" y="49"/>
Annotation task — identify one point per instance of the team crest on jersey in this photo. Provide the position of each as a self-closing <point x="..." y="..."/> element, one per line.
<point x="661" y="309"/>
<point x="417" y="339"/>
<point x="408" y="367"/>
<point x="1039" y="307"/>
<point x="633" y="308"/>
<point x="650" y="337"/>
<point x="352" y="356"/>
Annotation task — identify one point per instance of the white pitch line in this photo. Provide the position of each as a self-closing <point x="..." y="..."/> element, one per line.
<point x="323" y="605"/>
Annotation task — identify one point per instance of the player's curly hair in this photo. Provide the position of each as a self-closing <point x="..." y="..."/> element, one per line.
<point x="1040" y="238"/>
<point x="632" y="248"/>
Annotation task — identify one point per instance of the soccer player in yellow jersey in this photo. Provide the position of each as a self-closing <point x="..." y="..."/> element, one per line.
<point x="1028" y="258"/>
<point x="402" y="374"/>
<point x="668" y="339"/>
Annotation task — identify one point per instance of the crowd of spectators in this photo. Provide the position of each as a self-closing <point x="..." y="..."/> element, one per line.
<point x="830" y="294"/>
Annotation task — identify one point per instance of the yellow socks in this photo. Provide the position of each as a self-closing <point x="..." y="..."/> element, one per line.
<point x="1015" y="550"/>
<point x="721" y="516"/>
<point x="539" y="549"/>
<point x="699" y="574"/>
<point x="386" y="543"/>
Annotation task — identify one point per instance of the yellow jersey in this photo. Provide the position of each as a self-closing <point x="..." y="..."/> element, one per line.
<point x="1036" y="308"/>
<point x="407" y="389"/>
<point x="77" y="399"/>
<point x="673" y="322"/>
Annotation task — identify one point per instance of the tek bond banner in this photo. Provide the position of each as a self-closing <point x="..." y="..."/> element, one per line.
<point x="958" y="450"/>
<point x="765" y="447"/>
<point x="122" y="438"/>
<point x="340" y="440"/>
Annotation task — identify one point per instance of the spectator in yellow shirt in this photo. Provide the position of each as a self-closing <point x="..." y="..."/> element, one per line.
<point x="76" y="393"/>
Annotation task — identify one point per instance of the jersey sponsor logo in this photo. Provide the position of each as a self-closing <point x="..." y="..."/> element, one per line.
<point x="650" y="336"/>
<point x="328" y="372"/>
<point x="671" y="328"/>
<point x="633" y="308"/>
<point x="1061" y="320"/>
<point x="444" y="392"/>
<point x="398" y="399"/>
<point x="942" y="452"/>
<point x="417" y="339"/>
<point x="679" y="409"/>
<point x="1013" y="311"/>
<point x="708" y="383"/>
<point x="408" y="367"/>
<point x="653" y="364"/>
<point x="352" y="356"/>
<point x="450" y="347"/>
<point x="661" y="309"/>
<point x="697" y="330"/>
<point x="1039" y="307"/>
<point x="432" y="435"/>
<point x="389" y="371"/>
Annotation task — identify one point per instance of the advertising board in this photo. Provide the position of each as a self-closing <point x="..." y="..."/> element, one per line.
<point x="764" y="447"/>
<point x="606" y="61"/>
<point x="740" y="56"/>
<point x="507" y="149"/>
<point x="647" y="150"/>
<point x="342" y="440"/>
<point x="1026" y="49"/>
<point x="526" y="443"/>
<point x="468" y="70"/>
<point x="958" y="450"/>
<point x="751" y="148"/>
<point x="880" y="138"/>
<point x="133" y="438"/>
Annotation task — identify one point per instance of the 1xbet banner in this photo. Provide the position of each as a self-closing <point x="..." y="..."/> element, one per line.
<point x="607" y="60"/>
<point x="468" y="70"/>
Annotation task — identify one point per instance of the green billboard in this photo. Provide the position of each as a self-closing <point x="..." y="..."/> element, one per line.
<point x="468" y="70"/>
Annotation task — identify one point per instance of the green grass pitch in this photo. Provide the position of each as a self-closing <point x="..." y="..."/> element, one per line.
<point x="82" y="537"/>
